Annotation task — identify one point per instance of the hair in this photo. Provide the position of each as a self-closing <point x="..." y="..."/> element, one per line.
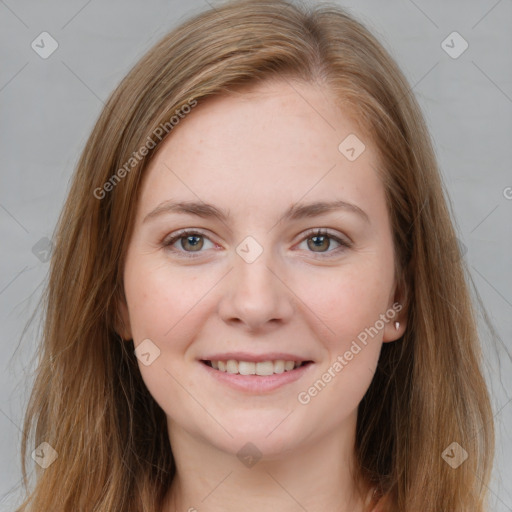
<point x="89" y="401"/>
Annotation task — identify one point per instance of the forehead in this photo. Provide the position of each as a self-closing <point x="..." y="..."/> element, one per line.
<point x="264" y="145"/>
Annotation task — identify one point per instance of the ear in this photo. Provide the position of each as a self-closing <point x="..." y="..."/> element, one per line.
<point x="396" y="312"/>
<point x="122" y="320"/>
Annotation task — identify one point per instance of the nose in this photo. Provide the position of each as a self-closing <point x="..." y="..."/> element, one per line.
<point x="256" y="295"/>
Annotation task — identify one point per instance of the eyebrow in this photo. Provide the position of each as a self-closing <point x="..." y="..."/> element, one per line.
<point x="295" y="212"/>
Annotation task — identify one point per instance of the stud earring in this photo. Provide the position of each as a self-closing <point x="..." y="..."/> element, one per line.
<point x="397" y="325"/>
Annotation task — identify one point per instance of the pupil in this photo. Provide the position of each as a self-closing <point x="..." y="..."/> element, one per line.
<point x="322" y="239"/>
<point x="196" y="243"/>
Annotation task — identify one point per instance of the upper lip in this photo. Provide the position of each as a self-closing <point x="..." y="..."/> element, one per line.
<point x="255" y="358"/>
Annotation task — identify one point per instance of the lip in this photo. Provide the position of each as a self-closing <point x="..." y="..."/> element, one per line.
<point x="257" y="384"/>
<point x="255" y="358"/>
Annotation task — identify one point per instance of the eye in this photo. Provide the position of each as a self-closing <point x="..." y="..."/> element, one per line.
<point x="321" y="239"/>
<point x="191" y="241"/>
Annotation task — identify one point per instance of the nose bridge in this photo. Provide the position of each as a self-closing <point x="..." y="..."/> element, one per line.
<point x="252" y="270"/>
<point x="256" y="292"/>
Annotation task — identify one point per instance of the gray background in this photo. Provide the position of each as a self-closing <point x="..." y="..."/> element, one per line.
<point x="49" y="106"/>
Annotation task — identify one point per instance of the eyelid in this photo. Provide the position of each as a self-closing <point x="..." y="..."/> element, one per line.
<point x="344" y="239"/>
<point x="181" y="233"/>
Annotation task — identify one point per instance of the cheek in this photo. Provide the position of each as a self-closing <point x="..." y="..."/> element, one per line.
<point x="163" y="307"/>
<point x="348" y="299"/>
<point x="350" y="305"/>
<point x="160" y="300"/>
<point x="349" y="308"/>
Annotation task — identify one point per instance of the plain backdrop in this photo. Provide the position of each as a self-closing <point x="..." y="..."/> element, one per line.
<point x="49" y="105"/>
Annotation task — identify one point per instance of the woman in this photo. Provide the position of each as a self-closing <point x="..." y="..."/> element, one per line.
<point x="271" y="369"/>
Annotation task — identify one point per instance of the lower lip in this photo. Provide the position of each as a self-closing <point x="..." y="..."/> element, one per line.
<point x="257" y="383"/>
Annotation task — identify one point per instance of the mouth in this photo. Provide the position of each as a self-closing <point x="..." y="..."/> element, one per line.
<point x="255" y="377"/>
<point x="256" y="369"/>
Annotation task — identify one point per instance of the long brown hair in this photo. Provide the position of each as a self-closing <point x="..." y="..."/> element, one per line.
<point x="89" y="401"/>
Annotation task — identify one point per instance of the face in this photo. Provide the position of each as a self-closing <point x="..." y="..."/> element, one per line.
<point x="260" y="284"/>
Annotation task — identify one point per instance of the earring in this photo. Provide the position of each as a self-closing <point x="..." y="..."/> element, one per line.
<point x="397" y="325"/>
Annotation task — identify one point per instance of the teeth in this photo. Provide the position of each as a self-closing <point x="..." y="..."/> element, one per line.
<point x="244" y="368"/>
<point x="250" y="368"/>
<point x="232" y="366"/>
<point x="265" y="368"/>
<point x="279" y="366"/>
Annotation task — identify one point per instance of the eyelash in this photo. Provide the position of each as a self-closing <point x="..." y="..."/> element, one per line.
<point x="310" y="234"/>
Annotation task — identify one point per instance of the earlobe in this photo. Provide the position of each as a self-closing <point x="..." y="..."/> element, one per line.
<point x="393" y="331"/>
<point x="397" y="313"/>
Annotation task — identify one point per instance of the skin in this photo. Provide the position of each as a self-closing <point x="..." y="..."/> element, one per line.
<point x="255" y="154"/>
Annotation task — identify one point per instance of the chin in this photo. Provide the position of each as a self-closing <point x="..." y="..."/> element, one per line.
<point x="267" y="436"/>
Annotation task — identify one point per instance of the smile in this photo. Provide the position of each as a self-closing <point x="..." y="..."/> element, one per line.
<point x="256" y="377"/>
<point x="261" y="368"/>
